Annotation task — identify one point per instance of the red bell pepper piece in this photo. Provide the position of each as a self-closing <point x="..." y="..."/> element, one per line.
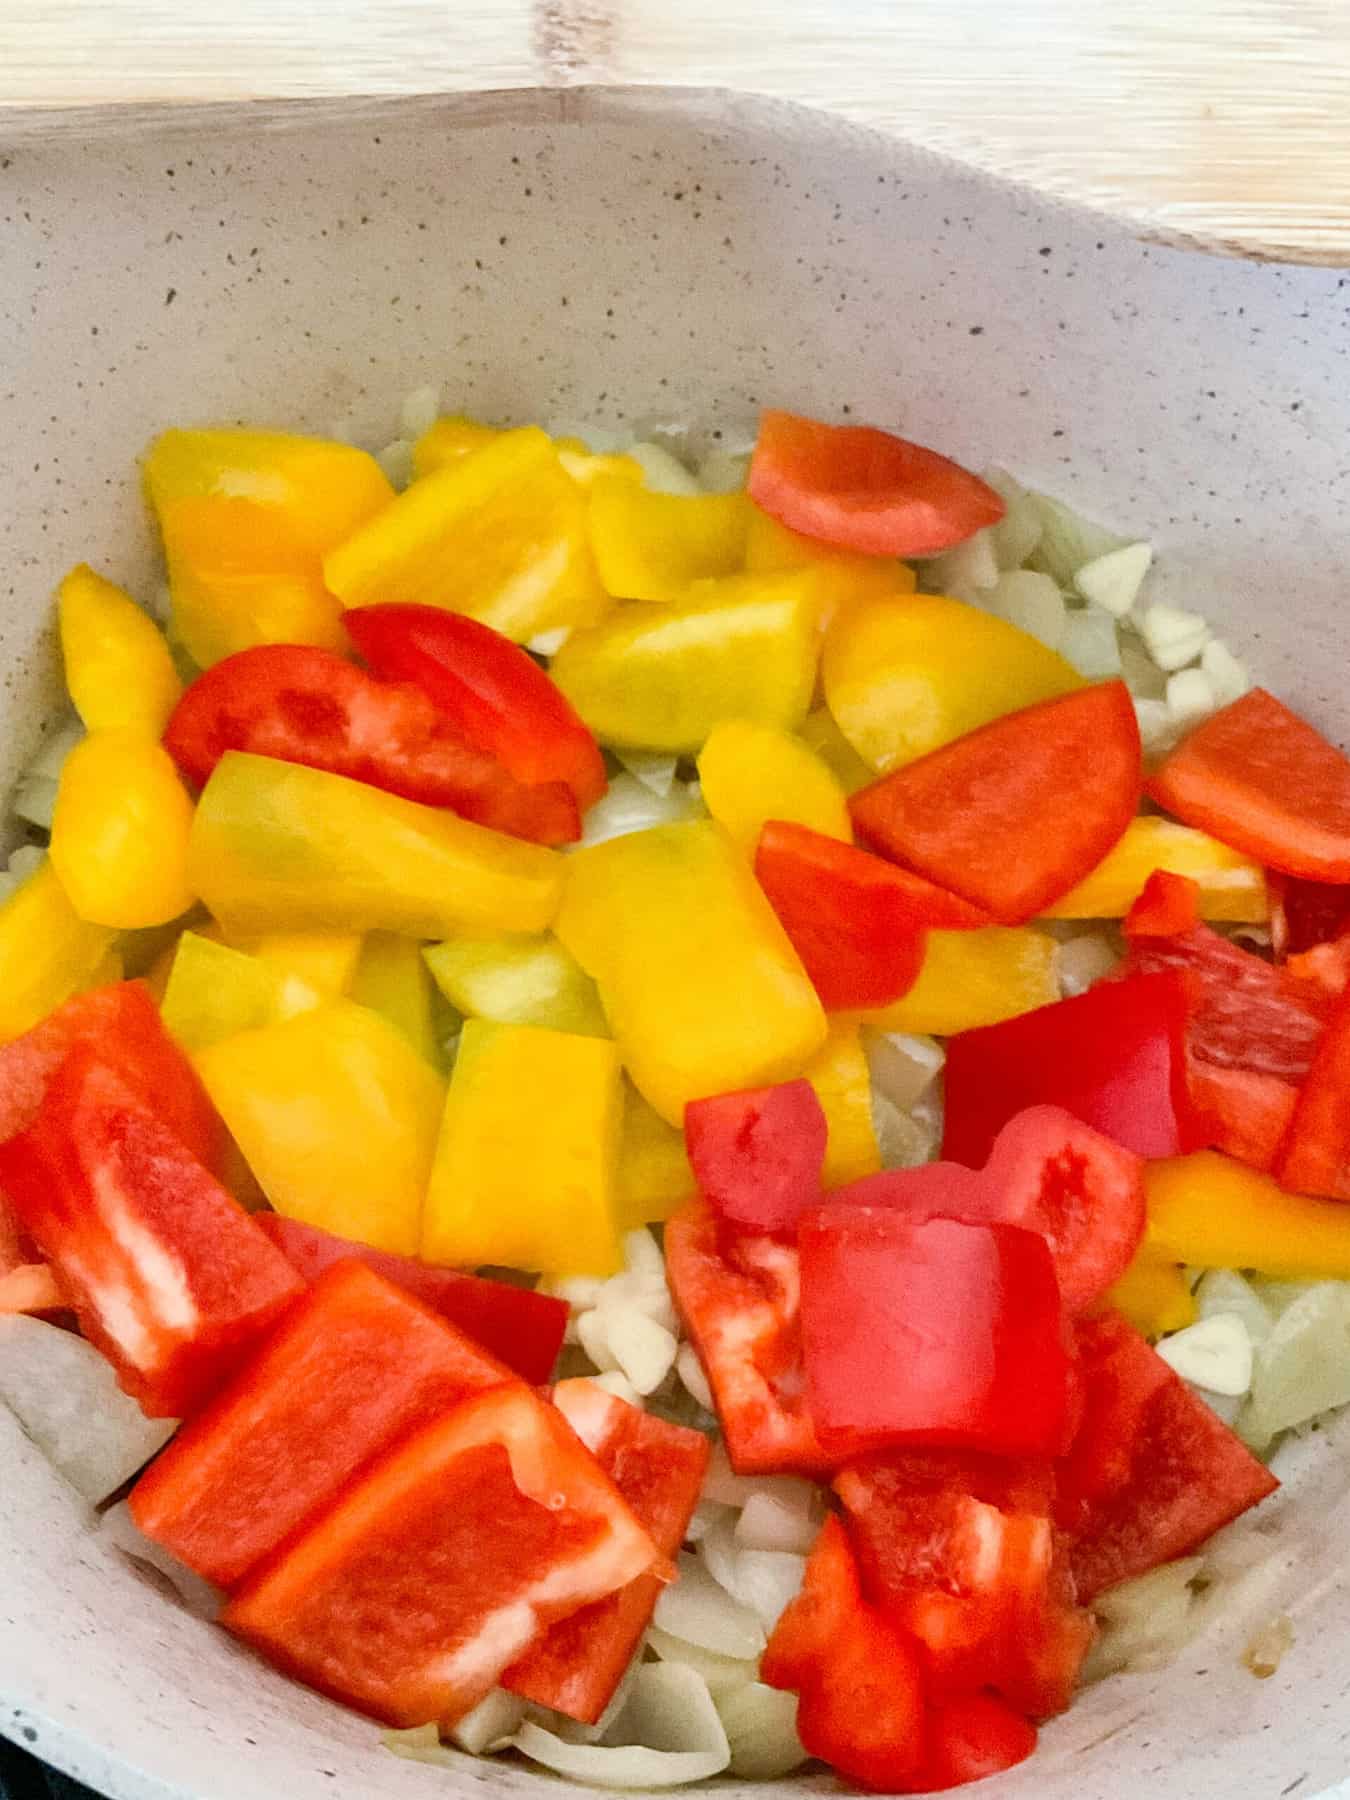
<point x="491" y="693"/>
<point x="1306" y="914"/>
<point x="1048" y="1173"/>
<point x="1251" y="1030"/>
<point x="856" y="922"/>
<point x="1315" y="1157"/>
<point x="960" y="1548"/>
<point x="659" y="1469"/>
<point x="1114" y="1057"/>
<point x="1015" y="814"/>
<point x="866" y="490"/>
<point x="861" y="1705"/>
<point x="121" y="1024"/>
<point x="167" y="1273"/>
<point x="738" y="1296"/>
<point x="1152" y="1471"/>
<point x="304" y="705"/>
<point x="932" y="1332"/>
<point x="1167" y="904"/>
<point x="1267" y="782"/>
<point x="522" y="1329"/>
<point x="439" y="1568"/>
<point x="971" y="1737"/>
<point x="757" y="1155"/>
<point x="356" y="1365"/>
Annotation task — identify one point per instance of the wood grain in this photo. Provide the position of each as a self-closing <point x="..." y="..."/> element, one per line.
<point x="1217" y="121"/>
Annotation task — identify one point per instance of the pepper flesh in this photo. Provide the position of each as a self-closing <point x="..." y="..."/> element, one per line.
<point x="974" y="978"/>
<point x="650" y="546"/>
<point x="392" y="979"/>
<point x="518" y="980"/>
<point x="118" y="668"/>
<point x="120" y="831"/>
<point x="524" y="1174"/>
<point x="1214" y="1212"/>
<point x="703" y="992"/>
<point x="246" y="518"/>
<point x="1230" y="885"/>
<point x="752" y="773"/>
<point x="47" y="951"/>
<point x="279" y="847"/>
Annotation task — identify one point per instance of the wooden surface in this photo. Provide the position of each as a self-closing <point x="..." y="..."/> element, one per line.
<point x="1222" y="121"/>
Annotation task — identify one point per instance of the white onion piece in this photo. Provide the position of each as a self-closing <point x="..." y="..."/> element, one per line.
<point x="704" y="1517"/>
<point x="419" y="412"/>
<point x="1278" y="1296"/>
<point x="905" y="1139"/>
<point x="967" y="569"/>
<point x="1091" y="643"/>
<point x="628" y="807"/>
<point x="628" y="1293"/>
<point x="642" y="1259"/>
<point x="66" y="1398"/>
<point x="614" y="1382"/>
<point x="1225" y="1291"/>
<point x="669" y="1708"/>
<point x="1113" y="581"/>
<point x="642" y="1348"/>
<point x="770" y="1522"/>
<point x="662" y="471"/>
<point x="396" y="460"/>
<point x="490" y="1725"/>
<point x="1146" y="1621"/>
<point x="606" y="1728"/>
<point x="762" y="1580"/>
<point x="581" y="1292"/>
<point x="22" y="863"/>
<point x="593" y="1336"/>
<point x="761" y="1727"/>
<point x="1157" y="727"/>
<point x="1083" y="960"/>
<point x="669" y="1711"/>
<point x="902" y="1065"/>
<point x="1303" y="1367"/>
<point x="1140" y="673"/>
<point x="421" y="1743"/>
<point x="1190" y="698"/>
<point x="1227" y="676"/>
<point x="549" y="643"/>
<point x="1019" y="530"/>
<point x="1172" y="636"/>
<point x="655" y="769"/>
<point x="723" y="470"/>
<point x="1214" y="1354"/>
<point x="721" y="1673"/>
<point x="1033" y="603"/>
<point x="118" y="1528"/>
<point x="696" y="1609"/>
<point x="35" y="801"/>
<point x="1069" y="542"/>
<point x="50" y="758"/>
<point x="695" y="1382"/>
<point x="724" y="1485"/>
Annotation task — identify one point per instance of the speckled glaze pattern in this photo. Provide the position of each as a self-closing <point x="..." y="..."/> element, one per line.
<point x="654" y="256"/>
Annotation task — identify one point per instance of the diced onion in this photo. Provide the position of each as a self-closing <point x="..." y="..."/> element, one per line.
<point x="1225" y="1291"/>
<point x="662" y="471"/>
<point x="1033" y="603"/>
<point x="1068" y="541"/>
<point x="1019" y="530"/>
<point x="35" y="801"/>
<point x="641" y="1347"/>
<point x="66" y="1398"/>
<point x="396" y="460"/>
<point x="419" y="412"/>
<point x="1140" y="673"/>
<point x="1157" y="727"/>
<point x="1146" y="1621"/>
<point x="761" y="1728"/>
<point x="723" y="470"/>
<point x="903" y="1066"/>
<point x="1080" y="961"/>
<point x="967" y="570"/>
<point x="770" y="1522"/>
<point x="1215" y="1354"/>
<point x="118" y="1528"/>
<point x="690" y="1371"/>
<point x="696" y="1609"/>
<point x="23" y="863"/>
<point x="1227" y="676"/>
<point x="615" y="1382"/>
<point x="51" y="757"/>
<point x="905" y="1139"/>
<point x="725" y="1486"/>
<point x="672" y="1730"/>
<point x="490" y="1725"/>
<point x="1190" y="698"/>
<point x="628" y="806"/>
<point x="1113" y="581"/>
<point x="721" y="1673"/>
<point x="1091" y="643"/>
<point x="1303" y="1367"/>
<point x="422" y="1743"/>
<point x="653" y="768"/>
<point x="1172" y="636"/>
<point x="593" y="1336"/>
<point x="762" y="1580"/>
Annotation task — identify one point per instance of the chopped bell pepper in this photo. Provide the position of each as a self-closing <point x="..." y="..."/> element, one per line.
<point x="120" y="831"/>
<point x="524" y="1174"/>
<point x="903" y="677"/>
<point x="843" y="1083"/>
<point x="651" y="546"/>
<point x="752" y="773"/>
<point x="654" y="1178"/>
<point x="337" y="1117"/>
<point x="701" y="987"/>
<point x="214" y="991"/>
<point x="518" y="980"/>
<point x="819" y="732"/>
<point x="1153" y="1294"/>
<point x="974" y="978"/>
<point x="742" y="647"/>
<point x="770" y="546"/>
<point x="355" y="1366"/>
<point x="392" y="979"/>
<point x="167" y="1273"/>
<point x="758" y="1154"/>
<point x="1216" y="1213"/>
<point x="47" y="951"/>
<point x="451" y="437"/>
<point x="246" y="518"/>
<point x="499" y="534"/>
<point x="118" y="668"/>
<point x="279" y="847"/>
<point x="1230" y="885"/>
<point x="325" y="961"/>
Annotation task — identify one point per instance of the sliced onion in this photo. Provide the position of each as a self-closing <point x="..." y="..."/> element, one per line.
<point x="904" y="1139"/>
<point x="1215" y="1353"/>
<point x="761" y="1727"/>
<point x="1033" y="603"/>
<point x="653" y="768"/>
<point x="969" y="570"/>
<point x="690" y="1371"/>
<point x="1113" y="581"/>
<point x="490" y="1725"/>
<point x="903" y="1065"/>
<point x="51" y="757"/>
<point x="1068" y="540"/>
<point x="419" y="412"/>
<point x="1019" y="530"/>
<point x="396" y="460"/>
<point x="671" y="1729"/>
<point x="641" y="1346"/>
<point x="66" y="1398"/>
<point x="723" y="470"/>
<point x="1145" y="1622"/>
<point x="422" y="1743"/>
<point x="662" y="471"/>
<point x="1225" y="1291"/>
<point x="35" y="801"/>
<point x="769" y="1522"/>
<point x="761" y="1580"/>
<point x="1091" y="643"/>
<point x="705" y="1515"/>
<point x="118" y="1528"/>
<point x="696" y="1609"/>
<point x="1080" y="961"/>
<point x="628" y="807"/>
<point x="1303" y="1367"/>
<point x="724" y="1485"/>
<point x="614" y="1382"/>
<point x="669" y="1708"/>
<point x="722" y="1673"/>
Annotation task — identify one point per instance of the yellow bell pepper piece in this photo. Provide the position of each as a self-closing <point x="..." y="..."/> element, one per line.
<point x="518" y="981"/>
<point x="1231" y="886"/>
<point x="47" y="951"/>
<point x="843" y="1084"/>
<point x="118" y="668"/>
<point x="701" y="987"/>
<point x="246" y="518"/>
<point x="323" y="960"/>
<point x="214" y="992"/>
<point x="743" y="647"/>
<point x="973" y="978"/>
<point x="120" y="831"/>
<point x="750" y="773"/>
<point x="650" y="546"/>
<point x="1153" y="1295"/>
<point x="1216" y="1213"/>
<point x="771" y="546"/>
<point x="278" y="847"/>
<point x="392" y="979"/>
<point x="525" y="1169"/>
<point x="819" y="732"/>
<point x="499" y="534"/>
<point x="654" y="1178"/>
<point x="337" y="1117"/>
<point x="903" y="678"/>
<point x="448" y="440"/>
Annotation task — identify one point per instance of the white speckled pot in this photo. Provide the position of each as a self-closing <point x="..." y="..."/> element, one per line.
<point x="588" y="256"/>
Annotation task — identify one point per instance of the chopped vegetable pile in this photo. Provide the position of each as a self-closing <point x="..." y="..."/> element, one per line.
<point x="695" y="1120"/>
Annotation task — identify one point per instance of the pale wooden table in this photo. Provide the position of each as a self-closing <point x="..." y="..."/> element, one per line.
<point x="1225" y="122"/>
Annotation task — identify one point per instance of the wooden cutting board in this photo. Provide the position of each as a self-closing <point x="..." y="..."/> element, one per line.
<point x="1220" y="122"/>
